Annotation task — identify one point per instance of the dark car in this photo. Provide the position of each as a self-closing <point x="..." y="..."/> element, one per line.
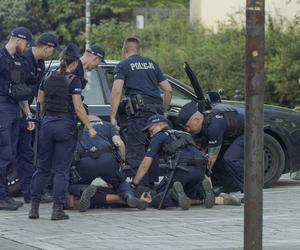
<point x="281" y="125"/>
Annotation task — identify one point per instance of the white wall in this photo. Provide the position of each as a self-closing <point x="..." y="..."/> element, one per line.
<point x="214" y="11"/>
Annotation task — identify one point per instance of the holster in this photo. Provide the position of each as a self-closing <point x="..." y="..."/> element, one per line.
<point x="134" y="104"/>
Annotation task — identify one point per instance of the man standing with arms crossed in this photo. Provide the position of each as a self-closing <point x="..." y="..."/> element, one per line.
<point x="141" y="79"/>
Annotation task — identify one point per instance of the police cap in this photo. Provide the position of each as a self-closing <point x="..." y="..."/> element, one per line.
<point x="49" y="40"/>
<point x="71" y="50"/>
<point x="23" y="33"/>
<point x="97" y="51"/>
<point x="186" y="113"/>
<point x="154" y="119"/>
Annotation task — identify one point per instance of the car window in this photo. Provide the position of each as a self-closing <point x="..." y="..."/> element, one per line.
<point x="93" y="93"/>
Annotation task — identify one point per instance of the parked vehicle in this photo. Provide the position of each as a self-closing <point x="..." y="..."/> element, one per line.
<point x="281" y="125"/>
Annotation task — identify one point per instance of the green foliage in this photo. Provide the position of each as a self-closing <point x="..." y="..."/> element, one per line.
<point x="217" y="58"/>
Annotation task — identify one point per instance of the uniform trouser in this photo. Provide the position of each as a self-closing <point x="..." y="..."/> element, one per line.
<point x="106" y="167"/>
<point x="229" y="168"/>
<point x="56" y="149"/>
<point x="136" y="141"/>
<point x="190" y="180"/>
<point x="25" y="158"/>
<point x="9" y="128"/>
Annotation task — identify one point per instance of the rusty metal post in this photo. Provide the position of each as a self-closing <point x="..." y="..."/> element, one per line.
<point x="254" y="135"/>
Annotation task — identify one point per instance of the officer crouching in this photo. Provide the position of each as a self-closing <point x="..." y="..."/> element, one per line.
<point x="102" y="156"/>
<point x="60" y="98"/>
<point x="222" y="131"/>
<point x="189" y="163"/>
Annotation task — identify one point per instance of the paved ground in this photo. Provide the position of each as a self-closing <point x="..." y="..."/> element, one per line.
<point x="198" y="228"/>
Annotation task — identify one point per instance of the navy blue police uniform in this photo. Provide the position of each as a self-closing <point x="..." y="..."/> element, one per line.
<point x="25" y="151"/>
<point x="191" y="179"/>
<point x="97" y="158"/>
<point x="12" y="73"/>
<point x="222" y="128"/>
<point x="229" y="166"/>
<point x="141" y="77"/>
<point x="36" y="72"/>
<point x="57" y="137"/>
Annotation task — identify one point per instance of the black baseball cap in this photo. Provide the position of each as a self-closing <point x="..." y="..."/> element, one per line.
<point x="154" y="119"/>
<point x="186" y="113"/>
<point x="71" y="50"/>
<point x="49" y="40"/>
<point x="23" y="33"/>
<point x="97" y="51"/>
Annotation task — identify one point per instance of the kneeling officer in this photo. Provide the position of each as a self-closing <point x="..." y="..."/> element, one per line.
<point x="100" y="157"/>
<point x="179" y="147"/>
<point x="60" y="97"/>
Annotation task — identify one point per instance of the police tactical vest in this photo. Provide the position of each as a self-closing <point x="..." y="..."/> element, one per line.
<point x="57" y="93"/>
<point x="180" y="140"/>
<point x="230" y="116"/>
<point x="18" y="89"/>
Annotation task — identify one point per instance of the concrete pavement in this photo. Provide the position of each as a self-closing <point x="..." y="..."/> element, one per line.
<point x="218" y="228"/>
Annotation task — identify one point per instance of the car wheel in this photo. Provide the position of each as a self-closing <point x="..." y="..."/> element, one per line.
<point x="274" y="160"/>
<point x="13" y="182"/>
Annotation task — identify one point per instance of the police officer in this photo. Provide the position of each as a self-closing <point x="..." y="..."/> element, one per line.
<point x="13" y="94"/>
<point x="223" y="135"/>
<point x="142" y="79"/>
<point x="98" y="158"/>
<point x="177" y="146"/>
<point x="92" y="56"/>
<point x="35" y="56"/>
<point x="60" y="98"/>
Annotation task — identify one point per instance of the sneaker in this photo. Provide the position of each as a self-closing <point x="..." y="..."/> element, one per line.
<point x="46" y="198"/>
<point x="85" y="199"/>
<point x="177" y="193"/>
<point x="209" y="199"/>
<point x="230" y="199"/>
<point x="6" y="205"/>
<point x="14" y="202"/>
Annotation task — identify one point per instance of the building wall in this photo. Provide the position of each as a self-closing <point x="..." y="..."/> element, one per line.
<point x="214" y="11"/>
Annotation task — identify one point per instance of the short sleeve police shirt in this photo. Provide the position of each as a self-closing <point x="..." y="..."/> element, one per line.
<point x="141" y="75"/>
<point x="36" y="71"/>
<point x="156" y="144"/>
<point x="215" y="131"/>
<point x="103" y="139"/>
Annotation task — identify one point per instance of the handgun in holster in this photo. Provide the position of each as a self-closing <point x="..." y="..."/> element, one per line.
<point x="138" y="102"/>
<point x="129" y="107"/>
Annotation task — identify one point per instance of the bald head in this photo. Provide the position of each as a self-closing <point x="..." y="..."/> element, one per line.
<point x="131" y="46"/>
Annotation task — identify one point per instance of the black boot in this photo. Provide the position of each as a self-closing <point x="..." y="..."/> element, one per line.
<point x="132" y="201"/>
<point x="58" y="212"/>
<point x="34" y="210"/>
<point x="177" y="193"/>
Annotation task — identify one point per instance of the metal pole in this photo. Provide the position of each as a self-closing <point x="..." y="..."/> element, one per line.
<point x="254" y="134"/>
<point x="87" y="23"/>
